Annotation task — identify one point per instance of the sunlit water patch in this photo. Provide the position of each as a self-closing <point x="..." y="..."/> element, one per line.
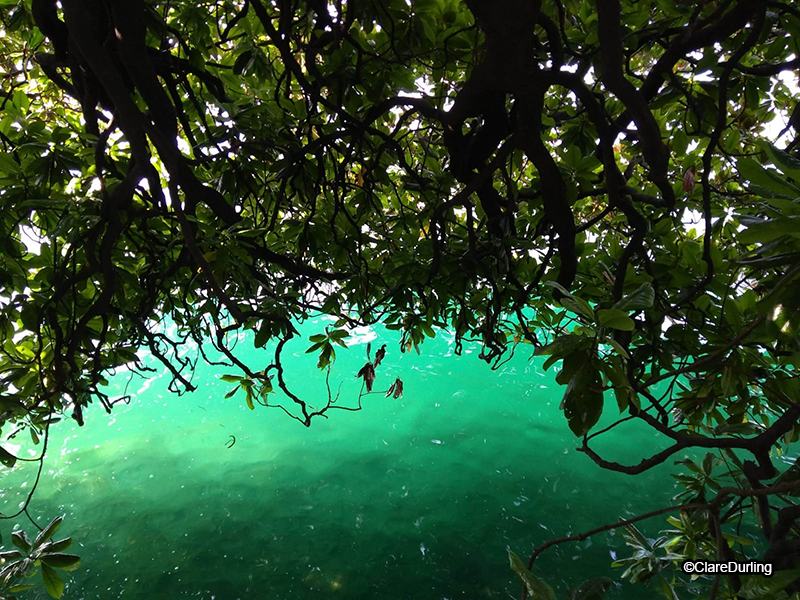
<point x="417" y="497"/>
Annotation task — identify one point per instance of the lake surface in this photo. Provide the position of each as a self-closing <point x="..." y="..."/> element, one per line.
<point x="418" y="497"/>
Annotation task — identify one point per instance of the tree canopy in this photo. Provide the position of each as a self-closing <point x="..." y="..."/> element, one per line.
<point x="593" y="180"/>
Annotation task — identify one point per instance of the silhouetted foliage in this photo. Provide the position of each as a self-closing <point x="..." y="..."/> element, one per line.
<point x="175" y="174"/>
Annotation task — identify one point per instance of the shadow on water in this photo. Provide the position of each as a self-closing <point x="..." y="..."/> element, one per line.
<point x="417" y="497"/>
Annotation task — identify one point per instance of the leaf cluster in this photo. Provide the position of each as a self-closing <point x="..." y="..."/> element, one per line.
<point x="43" y="555"/>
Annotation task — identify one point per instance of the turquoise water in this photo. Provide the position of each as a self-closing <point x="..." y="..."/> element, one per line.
<point x="419" y="497"/>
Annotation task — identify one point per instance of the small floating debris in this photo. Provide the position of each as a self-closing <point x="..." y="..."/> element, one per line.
<point x="437" y="442"/>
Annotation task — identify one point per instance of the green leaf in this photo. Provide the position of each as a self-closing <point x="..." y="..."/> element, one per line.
<point x="594" y="589"/>
<point x="21" y="587"/>
<point x="52" y="582"/>
<point x="551" y="361"/>
<point x="578" y="306"/>
<point x="708" y="462"/>
<point x="8" y="459"/>
<point x="680" y="142"/>
<point x="782" y="202"/>
<point x="21" y="540"/>
<point x="771" y="229"/>
<point x="740" y="429"/>
<point x="326" y="356"/>
<point x="562" y="345"/>
<point x="791" y="475"/>
<point x="787" y="163"/>
<point x="430" y="31"/>
<point x="58" y="546"/>
<point x="67" y="562"/>
<point x="571" y="363"/>
<point x="768" y="179"/>
<point x="635" y="538"/>
<point x="537" y="589"/>
<point x="622" y="388"/>
<point x="583" y="400"/>
<point x="48" y="531"/>
<point x="738" y="539"/>
<point x="758" y="587"/>
<point x="668" y="590"/>
<point x="264" y="334"/>
<point x="231" y="378"/>
<point x="615" y="319"/>
<point x="559" y="287"/>
<point x="617" y="347"/>
<point x="643" y="297"/>
<point x="231" y="393"/>
<point x="243" y="62"/>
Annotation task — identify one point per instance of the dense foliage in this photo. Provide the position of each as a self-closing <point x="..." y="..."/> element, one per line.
<point x="593" y="179"/>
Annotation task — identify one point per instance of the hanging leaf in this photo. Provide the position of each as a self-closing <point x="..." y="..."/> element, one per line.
<point x="622" y="389"/>
<point x="379" y="354"/>
<point x="758" y="587"/>
<point x="67" y="562"/>
<point x="326" y="356"/>
<point x="578" y="306"/>
<point x="48" y="531"/>
<point x="641" y="298"/>
<point x="791" y="475"/>
<point x="8" y="459"/>
<point x="21" y="540"/>
<point x="594" y="589"/>
<point x="788" y="164"/>
<point x="615" y="319"/>
<point x="617" y="347"/>
<point x="58" y="546"/>
<point x="395" y="390"/>
<point x="368" y="373"/>
<point x="771" y="229"/>
<point x="688" y="180"/>
<point x="537" y="589"/>
<point x="563" y="345"/>
<point x="264" y="334"/>
<point x="52" y="581"/>
<point x="768" y="179"/>
<point x="583" y="400"/>
<point x="559" y="287"/>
